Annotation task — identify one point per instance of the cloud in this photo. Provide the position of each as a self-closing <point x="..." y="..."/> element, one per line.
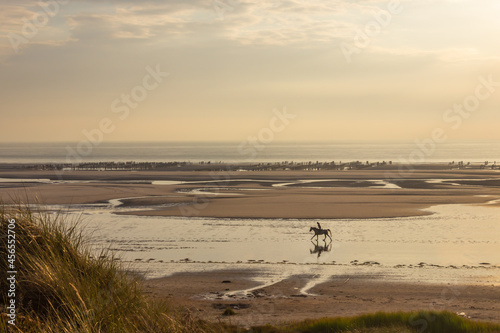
<point x="294" y="23"/>
<point x="280" y="22"/>
<point x="12" y="16"/>
<point x="446" y="55"/>
<point x="298" y="23"/>
<point x="12" y="23"/>
<point x="30" y="22"/>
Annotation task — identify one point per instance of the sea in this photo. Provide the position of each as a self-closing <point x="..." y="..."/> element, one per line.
<point x="241" y="152"/>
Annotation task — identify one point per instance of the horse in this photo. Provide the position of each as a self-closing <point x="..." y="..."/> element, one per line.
<point x="318" y="232"/>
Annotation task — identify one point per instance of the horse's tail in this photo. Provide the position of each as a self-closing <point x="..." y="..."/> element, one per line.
<point x="330" y="232"/>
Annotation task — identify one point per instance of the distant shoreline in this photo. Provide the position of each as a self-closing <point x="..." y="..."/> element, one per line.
<point x="248" y="166"/>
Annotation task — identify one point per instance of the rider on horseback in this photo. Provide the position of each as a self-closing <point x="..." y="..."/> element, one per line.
<point x="320" y="231"/>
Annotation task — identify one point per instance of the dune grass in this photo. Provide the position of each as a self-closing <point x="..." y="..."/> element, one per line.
<point x="381" y="322"/>
<point x="421" y="321"/>
<point x="63" y="287"/>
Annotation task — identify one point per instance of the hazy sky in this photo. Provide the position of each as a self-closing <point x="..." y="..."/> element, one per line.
<point x="347" y="70"/>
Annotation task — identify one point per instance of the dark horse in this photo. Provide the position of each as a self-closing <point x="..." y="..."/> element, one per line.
<point x="318" y="232"/>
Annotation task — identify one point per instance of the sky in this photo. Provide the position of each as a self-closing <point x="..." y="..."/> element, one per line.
<point x="217" y="70"/>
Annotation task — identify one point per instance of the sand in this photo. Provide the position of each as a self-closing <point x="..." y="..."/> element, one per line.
<point x="233" y="196"/>
<point x="203" y="294"/>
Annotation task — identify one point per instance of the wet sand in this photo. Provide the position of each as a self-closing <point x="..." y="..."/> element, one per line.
<point x="351" y="194"/>
<point x="206" y="295"/>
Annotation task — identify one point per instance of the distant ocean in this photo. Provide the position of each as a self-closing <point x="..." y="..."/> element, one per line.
<point x="234" y="152"/>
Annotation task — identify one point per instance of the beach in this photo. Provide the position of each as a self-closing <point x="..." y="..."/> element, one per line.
<point x="206" y="295"/>
<point x="277" y="194"/>
<point x="208" y="240"/>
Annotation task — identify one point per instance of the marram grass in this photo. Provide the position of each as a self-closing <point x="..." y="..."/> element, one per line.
<point x="62" y="288"/>
<point x="418" y="321"/>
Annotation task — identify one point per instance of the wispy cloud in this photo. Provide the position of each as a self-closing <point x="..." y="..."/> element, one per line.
<point x="250" y="22"/>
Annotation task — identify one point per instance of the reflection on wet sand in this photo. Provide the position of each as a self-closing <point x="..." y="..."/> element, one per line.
<point x="321" y="248"/>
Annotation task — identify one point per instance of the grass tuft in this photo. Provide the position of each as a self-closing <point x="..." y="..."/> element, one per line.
<point x="229" y="312"/>
<point x="421" y="321"/>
